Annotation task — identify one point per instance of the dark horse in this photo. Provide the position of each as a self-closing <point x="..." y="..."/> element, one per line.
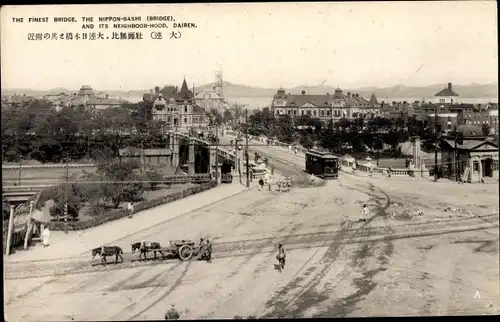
<point x="144" y="249"/>
<point x="108" y="251"/>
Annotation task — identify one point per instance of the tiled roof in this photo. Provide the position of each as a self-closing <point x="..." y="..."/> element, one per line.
<point x="446" y="92"/>
<point x="469" y="144"/>
<point x="316" y="100"/>
<point x="184" y="93"/>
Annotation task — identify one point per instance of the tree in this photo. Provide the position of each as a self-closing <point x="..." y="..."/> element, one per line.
<point x="227" y="116"/>
<point x="306" y="141"/>
<point x="486" y="128"/>
<point x="215" y="118"/>
<point x="117" y="190"/>
<point x="57" y="210"/>
<point x="284" y="128"/>
<point x="154" y="175"/>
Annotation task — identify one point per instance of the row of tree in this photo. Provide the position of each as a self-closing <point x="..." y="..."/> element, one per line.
<point x="38" y="131"/>
<point x="346" y="135"/>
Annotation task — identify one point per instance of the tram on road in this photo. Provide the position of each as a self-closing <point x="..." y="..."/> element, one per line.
<point x="322" y="164"/>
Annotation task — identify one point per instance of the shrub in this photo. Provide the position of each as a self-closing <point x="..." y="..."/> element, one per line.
<point x="121" y="213"/>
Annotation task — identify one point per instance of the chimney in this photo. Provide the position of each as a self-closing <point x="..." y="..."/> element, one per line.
<point x="357" y="95"/>
<point x="449" y="86"/>
<point x="348" y="94"/>
<point x="107" y="96"/>
<point x="303" y="92"/>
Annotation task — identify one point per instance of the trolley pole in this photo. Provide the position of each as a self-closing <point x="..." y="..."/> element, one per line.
<point x="436" y="145"/>
<point x="216" y="153"/>
<point x="66" y="198"/>
<point x="246" y="148"/>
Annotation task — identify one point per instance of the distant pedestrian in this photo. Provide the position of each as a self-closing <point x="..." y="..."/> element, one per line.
<point x="261" y="184"/>
<point x="130" y="209"/>
<point x="172" y="313"/>
<point x="46" y="237"/>
<point x="364" y="213"/>
<point x="281" y="257"/>
<point x="269" y="182"/>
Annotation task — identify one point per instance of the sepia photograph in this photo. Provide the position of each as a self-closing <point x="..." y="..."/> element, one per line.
<point x="250" y="160"/>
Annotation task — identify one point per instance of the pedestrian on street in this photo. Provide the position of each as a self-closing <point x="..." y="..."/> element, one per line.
<point x="172" y="314"/>
<point x="130" y="208"/>
<point x="269" y="183"/>
<point x="364" y="213"/>
<point x="261" y="184"/>
<point x="281" y="257"/>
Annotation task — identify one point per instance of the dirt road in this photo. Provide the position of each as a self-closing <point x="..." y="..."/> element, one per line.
<point x="439" y="262"/>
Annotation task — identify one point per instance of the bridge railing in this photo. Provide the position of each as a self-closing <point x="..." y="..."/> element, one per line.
<point x="49" y="166"/>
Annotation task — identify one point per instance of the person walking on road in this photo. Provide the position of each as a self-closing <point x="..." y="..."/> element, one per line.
<point x="281" y="257"/>
<point x="130" y="208"/>
<point x="261" y="184"/>
<point x="364" y="213"/>
<point x="172" y="313"/>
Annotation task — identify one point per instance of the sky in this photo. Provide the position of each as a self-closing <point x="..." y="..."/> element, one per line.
<point x="258" y="44"/>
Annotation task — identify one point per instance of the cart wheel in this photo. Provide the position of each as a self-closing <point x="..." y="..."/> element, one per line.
<point x="185" y="252"/>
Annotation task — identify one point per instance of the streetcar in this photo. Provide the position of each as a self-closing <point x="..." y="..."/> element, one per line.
<point x="322" y="164"/>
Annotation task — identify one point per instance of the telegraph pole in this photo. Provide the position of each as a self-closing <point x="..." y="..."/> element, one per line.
<point x="455" y="156"/>
<point x="20" y="170"/>
<point x="66" y="198"/>
<point x="246" y="148"/>
<point x="436" y="145"/>
<point x="9" y="232"/>
<point x="216" y="153"/>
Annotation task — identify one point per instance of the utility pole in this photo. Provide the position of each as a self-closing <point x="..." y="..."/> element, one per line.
<point x="455" y="156"/>
<point x="216" y="153"/>
<point x="9" y="232"/>
<point x="20" y="170"/>
<point x="246" y="148"/>
<point x="66" y="198"/>
<point x="436" y="144"/>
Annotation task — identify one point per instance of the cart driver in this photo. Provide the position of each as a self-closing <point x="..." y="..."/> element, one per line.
<point x="144" y="245"/>
<point x="208" y="251"/>
<point x="203" y="248"/>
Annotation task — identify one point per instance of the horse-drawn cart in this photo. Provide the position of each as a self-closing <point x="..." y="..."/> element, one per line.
<point x="184" y="249"/>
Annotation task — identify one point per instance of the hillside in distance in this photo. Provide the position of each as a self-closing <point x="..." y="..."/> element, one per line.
<point x="237" y="90"/>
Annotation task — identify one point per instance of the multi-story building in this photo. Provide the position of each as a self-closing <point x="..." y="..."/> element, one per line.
<point x="209" y="100"/>
<point x="446" y="95"/>
<point x="176" y="110"/>
<point x="324" y="107"/>
<point x="479" y="118"/>
<point x="85" y="97"/>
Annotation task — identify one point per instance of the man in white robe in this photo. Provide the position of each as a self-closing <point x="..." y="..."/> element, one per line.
<point x="46" y="237"/>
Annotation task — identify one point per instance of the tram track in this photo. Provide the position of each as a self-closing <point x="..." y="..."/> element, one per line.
<point x="262" y="245"/>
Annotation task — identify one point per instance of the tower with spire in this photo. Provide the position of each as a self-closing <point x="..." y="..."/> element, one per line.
<point x="373" y="101"/>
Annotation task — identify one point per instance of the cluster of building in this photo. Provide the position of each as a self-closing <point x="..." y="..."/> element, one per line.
<point x="175" y="108"/>
<point x="84" y="97"/>
<point x="184" y="109"/>
<point x="450" y="112"/>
